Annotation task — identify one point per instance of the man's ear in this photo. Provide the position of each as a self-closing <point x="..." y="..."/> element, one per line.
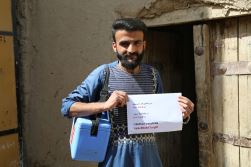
<point x="114" y="46"/>
<point x="144" y="44"/>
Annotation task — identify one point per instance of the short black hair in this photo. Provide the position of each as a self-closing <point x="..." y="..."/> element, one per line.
<point x="128" y="24"/>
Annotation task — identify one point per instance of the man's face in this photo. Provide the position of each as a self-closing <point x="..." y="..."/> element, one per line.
<point x="129" y="48"/>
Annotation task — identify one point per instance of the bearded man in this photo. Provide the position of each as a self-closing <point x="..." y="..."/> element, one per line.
<point x="127" y="76"/>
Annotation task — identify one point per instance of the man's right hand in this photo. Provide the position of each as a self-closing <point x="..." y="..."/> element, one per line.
<point x="117" y="99"/>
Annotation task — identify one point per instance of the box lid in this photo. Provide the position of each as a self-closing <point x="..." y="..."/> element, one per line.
<point x="83" y="123"/>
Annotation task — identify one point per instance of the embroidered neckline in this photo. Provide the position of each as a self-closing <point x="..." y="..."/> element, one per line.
<point x="122" y="69"/>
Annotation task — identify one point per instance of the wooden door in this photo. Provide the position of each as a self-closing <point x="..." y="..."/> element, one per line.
<point x="9" y="143"/>
<point x="223" y="86"/>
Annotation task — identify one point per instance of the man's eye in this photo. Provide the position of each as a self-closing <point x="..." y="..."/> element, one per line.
<point x="138" y="43"/>
<point x="124" y="43"/>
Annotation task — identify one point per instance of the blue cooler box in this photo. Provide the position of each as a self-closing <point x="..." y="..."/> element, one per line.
<point x="84" y="146"/>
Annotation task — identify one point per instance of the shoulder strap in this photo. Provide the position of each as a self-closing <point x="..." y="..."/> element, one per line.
<point x="104" y="91"/>
<point x="154" y="72"/>
<point x="104" y="95"/>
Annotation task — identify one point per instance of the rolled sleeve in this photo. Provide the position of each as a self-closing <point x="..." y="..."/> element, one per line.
<point x="87" y="91"/>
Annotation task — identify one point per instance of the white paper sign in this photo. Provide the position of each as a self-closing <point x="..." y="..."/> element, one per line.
<point x="151" y="113"/>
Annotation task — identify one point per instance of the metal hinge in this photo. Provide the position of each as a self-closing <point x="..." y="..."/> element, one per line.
<point x="231" y="139"/>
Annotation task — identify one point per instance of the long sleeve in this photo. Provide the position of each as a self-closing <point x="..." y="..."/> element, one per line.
<point x="87" y="91"/>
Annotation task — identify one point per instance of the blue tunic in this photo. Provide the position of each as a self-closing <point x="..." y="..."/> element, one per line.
<point x="139" y="150"/>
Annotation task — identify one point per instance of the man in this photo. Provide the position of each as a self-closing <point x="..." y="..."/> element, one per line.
<point x="127" y="76"/>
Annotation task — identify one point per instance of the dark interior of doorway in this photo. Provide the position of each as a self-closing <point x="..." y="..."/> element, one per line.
<point x="170" y="50"/>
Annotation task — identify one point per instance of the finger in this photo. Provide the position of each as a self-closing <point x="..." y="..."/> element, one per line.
<point x="123" y="97"/>
<point x="185" y="115"/>
<point x="122" y="94"/>
<point x="185" y="107"/>
<point x="115" y="98"/>
<point x="187" y="102"/>
<point x="121" y="102"/>
<point x="184" y="112"/>
<point x="184" y="99"/>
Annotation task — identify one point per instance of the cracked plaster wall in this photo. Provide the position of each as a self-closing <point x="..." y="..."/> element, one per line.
<point x="164" y="12"/>
<point x="61" y="41"/>
<point x="155" y="8"/>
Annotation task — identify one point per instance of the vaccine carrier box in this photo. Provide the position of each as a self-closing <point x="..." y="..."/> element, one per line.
<point x="86" y="146"/>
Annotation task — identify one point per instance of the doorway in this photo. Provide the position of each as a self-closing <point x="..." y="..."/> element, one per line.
<point x="170" y="50"/>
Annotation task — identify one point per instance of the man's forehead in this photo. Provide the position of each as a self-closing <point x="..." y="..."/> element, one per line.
<point x="131" y="35"/>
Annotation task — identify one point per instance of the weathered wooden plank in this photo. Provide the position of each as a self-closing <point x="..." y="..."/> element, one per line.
<point x="245" y="88"/>
<point x="8" y="107"/>
<point x="9" y="151"/>
<point x="231" y="68"/>
<point x="223" y="44"/>
<point x="5" y="16"/>
<point x="202" y="79"/>
<point x="234" y="140"/>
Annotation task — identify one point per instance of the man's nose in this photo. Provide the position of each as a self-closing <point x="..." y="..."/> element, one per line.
<point x="132" y="48"/>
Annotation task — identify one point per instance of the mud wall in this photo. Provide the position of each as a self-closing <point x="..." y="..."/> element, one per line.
<point x="61" y="41"/>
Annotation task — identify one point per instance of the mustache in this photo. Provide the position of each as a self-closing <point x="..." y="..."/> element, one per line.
<point x="132" y="54"/>
<point x="124" y="59"/>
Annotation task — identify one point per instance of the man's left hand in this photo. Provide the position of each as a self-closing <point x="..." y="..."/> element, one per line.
<point x="186" y="105"/>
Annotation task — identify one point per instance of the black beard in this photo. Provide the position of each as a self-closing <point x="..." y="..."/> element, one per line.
<point x="130" y="65"/>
